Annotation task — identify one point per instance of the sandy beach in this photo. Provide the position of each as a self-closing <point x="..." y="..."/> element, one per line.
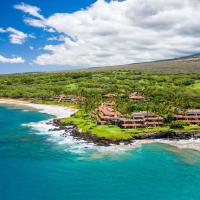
<point x="54" y="110"/>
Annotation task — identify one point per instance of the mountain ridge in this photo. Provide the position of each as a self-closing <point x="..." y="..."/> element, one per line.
<point x="186" y="64"/>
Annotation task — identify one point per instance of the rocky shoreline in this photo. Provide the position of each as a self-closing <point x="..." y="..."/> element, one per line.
<point x="90" y="138"/>
<point x="101" y="141"/>
<point x="170" y="135"/>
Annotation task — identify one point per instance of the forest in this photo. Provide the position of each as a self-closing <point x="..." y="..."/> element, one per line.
<point x="164" y="92"/>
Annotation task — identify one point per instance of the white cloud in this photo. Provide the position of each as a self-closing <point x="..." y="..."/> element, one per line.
<point x="17" y="37"/>
<point x="121" y="32"/>
<point x="12" y="60"/>
<point x="31" y="10"/>
<point x="34" y="22"/>
<point x="2" y="30"/>
<point x="60" y="38"/>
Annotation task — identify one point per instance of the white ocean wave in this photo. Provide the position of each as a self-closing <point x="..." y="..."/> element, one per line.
<point x="78" y="146"/>
<point x="74" y="145"/>
<point x="69" y="143"/>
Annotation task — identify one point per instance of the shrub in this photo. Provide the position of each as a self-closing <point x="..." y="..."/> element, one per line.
<point x="178" y="125"/>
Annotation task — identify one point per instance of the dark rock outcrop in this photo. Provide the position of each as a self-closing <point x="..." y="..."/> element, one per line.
<point x="72" y="130"/>
<point x="176" y="135"/>
<point x="90" y="138"/>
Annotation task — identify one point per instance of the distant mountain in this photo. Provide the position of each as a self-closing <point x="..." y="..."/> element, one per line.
<point x="197" y="55"/>
<point x="187" y="64"/>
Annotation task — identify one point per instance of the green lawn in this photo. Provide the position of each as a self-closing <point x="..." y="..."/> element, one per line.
<point x="148" y="130"/>
<point x="107" y="131"/>
<point x="191" y="128"/>
<point x="195" y="86"/>
<point x="111" y="132"/>
<point x="72" y="86"/>
<point x="87" y="124"/>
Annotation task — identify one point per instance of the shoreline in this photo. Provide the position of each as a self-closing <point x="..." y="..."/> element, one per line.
<point x="63" y="111"/>
<point x="181" y="143"/>
<point x="55" y="110"/>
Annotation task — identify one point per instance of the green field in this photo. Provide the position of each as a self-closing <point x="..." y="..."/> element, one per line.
<point x="195" y="87"/>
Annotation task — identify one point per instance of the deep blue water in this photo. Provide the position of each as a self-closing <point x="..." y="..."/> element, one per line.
<point x="35" y="168"/>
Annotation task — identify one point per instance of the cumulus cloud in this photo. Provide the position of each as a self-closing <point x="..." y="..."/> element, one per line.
<point x="12" y="60"/>
<point x="31" y="10"/>
<point x="60" y="38"/>
<point x="17" y="37"/>
<point x="121" y="32"/>
<point x="2" y="30"/>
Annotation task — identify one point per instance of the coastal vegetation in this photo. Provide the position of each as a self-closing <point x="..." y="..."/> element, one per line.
<point x="165" y="94"/>
<point x="88" y="125"/>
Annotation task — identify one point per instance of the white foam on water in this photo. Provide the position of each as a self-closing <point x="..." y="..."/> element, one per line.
<point x="192" y="143"/>
<point x="73" y="145"/>
<point x="69" y="143"/>
<point x="78" y="146"/>
<point x="42" y="127"/>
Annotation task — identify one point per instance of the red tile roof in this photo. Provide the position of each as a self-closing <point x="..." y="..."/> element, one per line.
<point x="136" y="96"/>
<point x="70" y="98"/>
<point x="132" y="125"/>
<point x="186" y="117"/>
<point x="193" y="111"/>
<point x="130" y="120"/>
<point x="190" y="116"/>
<point x="153" y="123"/>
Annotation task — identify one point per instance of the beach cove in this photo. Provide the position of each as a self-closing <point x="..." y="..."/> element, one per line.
<point x="59" y="112"/>
<point x="32" y="160"/>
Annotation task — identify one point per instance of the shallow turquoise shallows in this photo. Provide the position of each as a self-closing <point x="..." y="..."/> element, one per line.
<point x="32" y="167"/>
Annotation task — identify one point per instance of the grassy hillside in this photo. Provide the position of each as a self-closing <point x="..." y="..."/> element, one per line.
<point x="183" y="65"/>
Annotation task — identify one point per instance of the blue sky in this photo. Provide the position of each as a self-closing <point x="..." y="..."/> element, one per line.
<point x="69" y="34"/>
<point x="11" y="17"/>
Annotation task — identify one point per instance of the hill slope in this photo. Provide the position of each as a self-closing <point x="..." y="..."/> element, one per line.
<point x="190" y="64"/>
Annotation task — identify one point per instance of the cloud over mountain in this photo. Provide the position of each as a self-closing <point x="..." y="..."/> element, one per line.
<point x="119" y="32"/>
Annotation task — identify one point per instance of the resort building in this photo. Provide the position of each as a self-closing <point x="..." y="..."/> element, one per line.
<point x="136" y="96"/>
<point x="191" y="116"/>
<point x="70" y="98"/>
<point x="152" y="119"/>
<point x="106" y="113"/>
<point x="131" y="122"/>
<point x="140" y="120"/>
<point x="143" y="119"/>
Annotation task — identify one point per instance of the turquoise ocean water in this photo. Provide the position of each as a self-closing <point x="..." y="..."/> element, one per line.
<point x="33" y="166"/>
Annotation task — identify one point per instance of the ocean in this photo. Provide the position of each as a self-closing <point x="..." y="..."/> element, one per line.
<point x="38" y="164"/>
